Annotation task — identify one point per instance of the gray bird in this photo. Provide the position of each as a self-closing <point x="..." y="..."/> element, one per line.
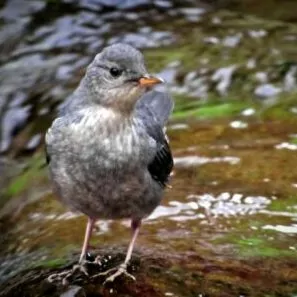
<point x="107" y="153"/>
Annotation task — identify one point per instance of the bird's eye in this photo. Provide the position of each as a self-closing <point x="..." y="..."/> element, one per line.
<point x="115" y="72"/>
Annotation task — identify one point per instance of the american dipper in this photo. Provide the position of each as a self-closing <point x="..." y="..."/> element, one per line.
<point x="107" y="152"/>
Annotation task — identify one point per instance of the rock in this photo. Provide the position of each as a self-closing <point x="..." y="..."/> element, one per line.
<point x="223" y="77"/>
<point x="74" y="291"/>
<point x="267" y="91"/>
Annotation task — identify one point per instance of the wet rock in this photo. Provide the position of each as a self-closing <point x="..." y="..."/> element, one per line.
<point x="50" y="50"/>
<point x="267" y="91"/>
<point x="257" y="34"/>
<point x="15" y="10"/>
<point x="163" y="3"/>
<point x="33" y="87"/>
<point x="261" y="77"/>
<point x="145" y="37"/>
<point x="34" y="142"/>
<point x="251" y="64"/>
<point x="11" y="36"/>
<point x="193" y="14"/>
<point x="223" y="77"/>
<point x="169" y="74"/>
<point x="232" y="41"/>
<point x="184" y="275"/>
<point x="211" y="40"/>
<point x="126" y="4"/>
<point x="290" y="79"/>
<point x="13" y="120"/>
<point x="74" y="291"/>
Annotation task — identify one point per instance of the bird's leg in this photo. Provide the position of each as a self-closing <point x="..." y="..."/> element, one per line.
<point x="80" y="267"/>
<point x="88" y="234"/>
<point x="122" y="268"/>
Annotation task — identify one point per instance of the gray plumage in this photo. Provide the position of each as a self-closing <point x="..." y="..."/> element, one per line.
<point x="107" y="152"/>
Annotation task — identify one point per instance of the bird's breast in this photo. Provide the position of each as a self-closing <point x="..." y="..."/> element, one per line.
<point x="109" y="140"/>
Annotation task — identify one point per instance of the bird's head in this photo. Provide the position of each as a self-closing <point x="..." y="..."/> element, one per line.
<point x="117" y="77"/>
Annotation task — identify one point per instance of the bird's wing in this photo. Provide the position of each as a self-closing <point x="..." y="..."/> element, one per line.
<point x="55" y="135"/>
<point x="153" y="111"/>
<point x="160" y="104"/>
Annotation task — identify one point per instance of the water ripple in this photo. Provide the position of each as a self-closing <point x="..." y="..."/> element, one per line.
<point x="187" y="161"/>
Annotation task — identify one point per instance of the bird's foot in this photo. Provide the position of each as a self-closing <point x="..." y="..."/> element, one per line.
<point x="65" y="276"/>
<point x="120" y="270"/>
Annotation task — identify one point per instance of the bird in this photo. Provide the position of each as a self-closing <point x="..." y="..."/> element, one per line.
<point x="107" y="150"/>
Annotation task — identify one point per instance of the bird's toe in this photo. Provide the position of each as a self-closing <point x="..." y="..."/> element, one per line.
<point x="118" y="271"/>
<point x="66" y="276"/>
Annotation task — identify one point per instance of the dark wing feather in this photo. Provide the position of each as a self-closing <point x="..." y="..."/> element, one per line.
<point x="162" y="164"/>
<point x="153" y="110"/>
<point x="47" y="157"/>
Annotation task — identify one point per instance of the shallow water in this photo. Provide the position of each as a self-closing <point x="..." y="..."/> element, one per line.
<point x="232" y="201"/>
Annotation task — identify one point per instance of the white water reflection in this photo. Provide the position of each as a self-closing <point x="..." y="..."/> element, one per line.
<point x="248" y="112"/>
<point x="207" y="205"/>
<point x="238" y="125"/>
<point x="40" y="216"/>
<point x="286" y="145"/>
<point x="279" y="213"/>
<point x="194" y="160"/>
<point x="175" y="208"/>
<point x="196" y="207"/>
<point x="180" y="126"/>
<point x="282" y="228"/>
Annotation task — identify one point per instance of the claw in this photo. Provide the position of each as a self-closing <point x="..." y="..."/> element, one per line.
<point x="122" y="269"/>
<point x="57" y="276"/>
<point x="82" y="268"/>
<point x="64" y="276"/>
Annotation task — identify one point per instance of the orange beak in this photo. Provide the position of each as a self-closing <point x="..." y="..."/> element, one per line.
<point x="147" y="81"/>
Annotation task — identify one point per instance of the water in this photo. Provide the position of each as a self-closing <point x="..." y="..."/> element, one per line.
<point x="229" y="206"/>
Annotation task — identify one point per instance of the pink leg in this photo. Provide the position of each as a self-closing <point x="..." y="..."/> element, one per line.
<point x="66" y="275"/>
<point x="135" y="226"/>
<point x="88" y="233"/>
<point x="122" y="269"/>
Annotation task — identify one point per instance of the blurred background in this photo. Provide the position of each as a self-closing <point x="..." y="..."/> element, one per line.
<point x="228" y="226"/>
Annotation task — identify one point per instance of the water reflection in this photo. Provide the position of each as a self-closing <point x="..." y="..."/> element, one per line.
<point x="238" y="124"/>
<point x="208" y="205"/>
<point x="194" y="160"/>
<point x="287" y="146"/>
<point x="281" y="228"/>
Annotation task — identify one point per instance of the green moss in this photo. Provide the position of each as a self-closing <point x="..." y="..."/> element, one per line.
<point x="211" y="111"/>
<point x="249" y="239"/>
<point x="33" y="171"/>
<point x="253" y="241"/>
<point x="160" y="57"/>
<point x="52" y="263"/>
<point x="265" y="251"/>
<point x="256" y="245"/>
<point x="283" y="204"/>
